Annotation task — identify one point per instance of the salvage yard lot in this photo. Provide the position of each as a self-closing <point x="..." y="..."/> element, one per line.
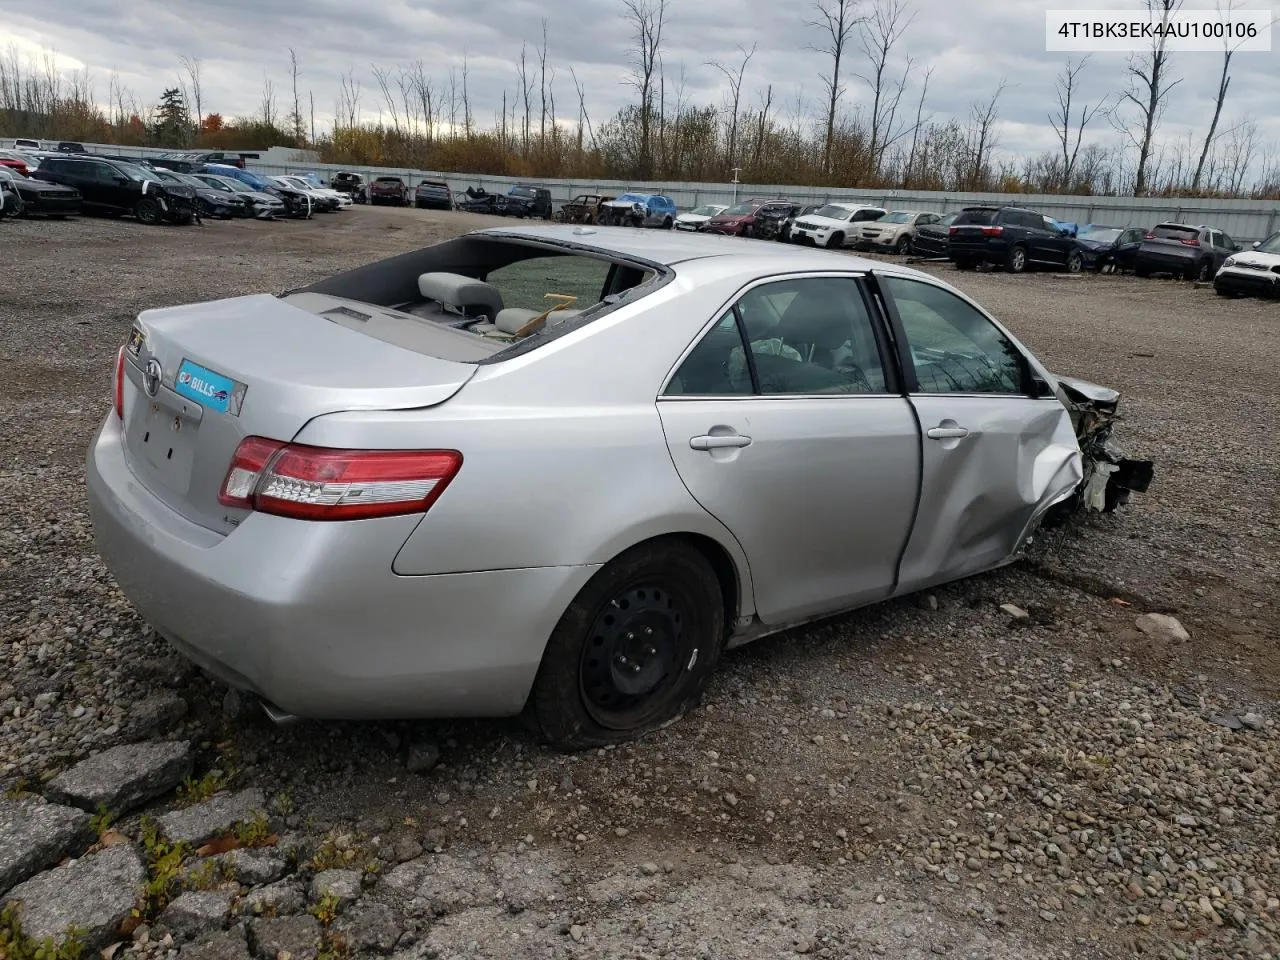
<point x="926" y="777"/>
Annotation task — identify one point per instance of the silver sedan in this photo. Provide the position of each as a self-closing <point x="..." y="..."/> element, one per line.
<point x="560" y="469"/>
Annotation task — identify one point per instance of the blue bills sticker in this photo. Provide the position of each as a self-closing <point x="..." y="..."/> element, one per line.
<point x="206" y="387"/>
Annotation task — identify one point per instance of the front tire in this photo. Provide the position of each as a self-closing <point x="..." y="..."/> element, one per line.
<point x="148" y="211"/>
<point x="903" y="246"/>
<point x="668" y="224"/>
<point x="1016" y="262"/>
<point x="634" y="650"/>
<point x="1075" y="262"/>
<point x="835" y="241"/>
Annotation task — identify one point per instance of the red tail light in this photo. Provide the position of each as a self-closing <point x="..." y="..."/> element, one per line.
<point x="952" y="231"/>
<point x="119" y="395"/>
<point x="322" y="483"/>
<point x="992" y="231"/>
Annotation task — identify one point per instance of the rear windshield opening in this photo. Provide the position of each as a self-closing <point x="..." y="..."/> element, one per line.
<point x="979" y="217"/>
<point x="510" y="294"/>
<point x="1168" y="231"/>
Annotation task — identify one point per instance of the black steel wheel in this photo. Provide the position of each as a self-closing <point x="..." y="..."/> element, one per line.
<point x="148" y="211"/>
<point x="633" y="651"/>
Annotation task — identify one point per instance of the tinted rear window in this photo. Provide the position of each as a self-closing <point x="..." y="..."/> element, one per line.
<point x="1169" y="232"/>
<point x="980" y="217"/>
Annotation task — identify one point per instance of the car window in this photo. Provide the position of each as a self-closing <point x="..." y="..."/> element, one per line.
<point x="954" y="347"/>
<point x="805" y="336"/>
<point x="526" y="283"/>
<point x="1227" y="242"/>
<point x="979" y="217"/>
<point x="102" y="173"/>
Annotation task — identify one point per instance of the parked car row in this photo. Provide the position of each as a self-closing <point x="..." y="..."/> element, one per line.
<point x="155" y="192"/>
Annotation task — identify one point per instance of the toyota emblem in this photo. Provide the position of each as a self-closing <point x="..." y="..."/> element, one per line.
<point x="151" y="377"/>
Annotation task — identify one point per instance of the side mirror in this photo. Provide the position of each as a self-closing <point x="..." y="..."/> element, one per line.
<point x="1237" y="248"/>
<point x="1255" y="245"/>
<point x="1040" y="388"/>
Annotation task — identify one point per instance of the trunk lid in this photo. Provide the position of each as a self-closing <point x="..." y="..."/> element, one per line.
<point x="265" y="366"/>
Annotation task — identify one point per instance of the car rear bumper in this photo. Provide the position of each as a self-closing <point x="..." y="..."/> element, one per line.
<point x="1250" y="283"/>
<point x="1160" y="262"/>
<point x="994" y="250"/>
<point x="310" y="616"/>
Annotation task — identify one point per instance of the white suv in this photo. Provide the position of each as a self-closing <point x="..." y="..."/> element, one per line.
<point x="833" y="225"/>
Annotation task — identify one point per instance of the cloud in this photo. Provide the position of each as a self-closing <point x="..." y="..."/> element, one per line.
<point x="971" y="46"/>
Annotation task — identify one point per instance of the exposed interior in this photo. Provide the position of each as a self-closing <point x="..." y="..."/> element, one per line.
<point x="497" y="290"/>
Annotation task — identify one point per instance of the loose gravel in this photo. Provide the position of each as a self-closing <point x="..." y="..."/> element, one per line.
<point x="935" y="776"/>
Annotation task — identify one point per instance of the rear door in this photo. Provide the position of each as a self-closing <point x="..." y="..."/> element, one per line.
<point x="1127" y="248"/>
<point x="994" y="455"/>
<point x="785" y="423"/>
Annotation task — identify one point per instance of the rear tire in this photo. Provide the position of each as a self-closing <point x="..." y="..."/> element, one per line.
<point x="668" y="223"/>
<point x="633" y="651"/>
<point x="1229" y="294"/>
<point x="1142" y="272"/>
<point x="963" y="263"/>
<point x="1204" y="270"/>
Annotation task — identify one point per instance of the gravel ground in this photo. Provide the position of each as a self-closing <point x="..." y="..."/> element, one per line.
<point x="926" y="777"/>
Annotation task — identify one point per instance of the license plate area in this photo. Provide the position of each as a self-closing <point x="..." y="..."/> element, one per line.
<point x="162" y="438"/>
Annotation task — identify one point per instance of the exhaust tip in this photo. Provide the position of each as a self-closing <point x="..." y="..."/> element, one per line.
<point x="277" y="716"/>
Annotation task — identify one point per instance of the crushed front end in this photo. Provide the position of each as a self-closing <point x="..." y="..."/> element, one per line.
<point x="1110" y="477"/>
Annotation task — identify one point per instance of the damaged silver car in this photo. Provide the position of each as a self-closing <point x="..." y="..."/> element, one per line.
<point x="558" y="470"/>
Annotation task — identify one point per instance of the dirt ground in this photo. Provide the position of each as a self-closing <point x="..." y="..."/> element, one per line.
<point x="925" y="777"/>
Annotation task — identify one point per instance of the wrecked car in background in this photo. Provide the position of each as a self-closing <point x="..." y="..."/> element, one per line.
<point x="639" y="210"/>
<point x="353" y="185"/>
<point x="478" y="200"/>
<point x="584" y="208"/>
<point x="647" y="537"/>
<point x="33" y="197"/>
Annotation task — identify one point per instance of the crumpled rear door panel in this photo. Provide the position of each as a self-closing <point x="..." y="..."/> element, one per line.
<point x="981" y="493"/>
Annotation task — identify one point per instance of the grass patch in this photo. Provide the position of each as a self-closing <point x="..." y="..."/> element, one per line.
<point x="193" y="791"/>
<point x="16" y="945"/>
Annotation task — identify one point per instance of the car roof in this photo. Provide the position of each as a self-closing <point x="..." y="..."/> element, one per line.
<point x="669" y="248"/>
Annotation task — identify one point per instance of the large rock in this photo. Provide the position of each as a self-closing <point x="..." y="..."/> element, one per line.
<point x="204" y="821"/>
<point x="368" y="928"/>
<point x="342" y="885"/>
<point x="224" y="946"/>
<point x="275" y="899"/>
<point x="197" y="912"/>
<point x="94" y="895"/>
<point x="1159" y="626"/>
<point x="35" y="835"/>
<point x="155" y="715"/>
<point x="251" y="867"/>
<point x="123" y="777"/>
<point x="296" y="937"/>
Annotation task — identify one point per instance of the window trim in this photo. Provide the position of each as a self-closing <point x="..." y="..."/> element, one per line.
<point x="884" y="344"/>
<point x="906" y="362"/>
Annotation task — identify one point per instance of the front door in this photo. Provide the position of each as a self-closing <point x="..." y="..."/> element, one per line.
<point x="994" y="456"/>
<point x="799" y="444"/>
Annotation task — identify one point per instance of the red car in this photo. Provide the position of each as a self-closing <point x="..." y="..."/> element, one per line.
<point x="14" y="162"/>
<point x="389" y="190"/>
<point x="741" y="219"/>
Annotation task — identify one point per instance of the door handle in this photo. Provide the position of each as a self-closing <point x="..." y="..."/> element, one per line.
<point x="947" y="433"/>
<point x="719" y="443"/>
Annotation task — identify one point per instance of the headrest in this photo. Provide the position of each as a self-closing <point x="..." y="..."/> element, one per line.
<point x="462" y="294"/>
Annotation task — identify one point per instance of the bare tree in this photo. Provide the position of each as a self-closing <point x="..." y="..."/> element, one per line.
<point x="192" y="88"/>
<point x="348" y="100"/>
<point x="762" y="126"/>
<point x="466" y="97"/>
<point x="312" y="97"/>
<point x="542" y="81"/>
<point x="837" y="20"/>
<point x="385" y="80"/>
<point x="880" y="33"/>
<point x="1242" y="143"/>
<point x="1068" y="125"/>
<point x="583" y="116"/>
<point x="1224" y="82"/>
<point x="267" y="107"/>
<point x="646" y="19"/>
<point x="1148" y="92"/>
<point x="983" y="117"/>
<point x="295" y="119"/>
<point x="734" y="77"/>
<point x="526" y="89"/>
<point x="916" y="128"/>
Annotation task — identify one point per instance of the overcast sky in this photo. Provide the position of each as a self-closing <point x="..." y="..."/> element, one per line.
<point x="970" y="44"/>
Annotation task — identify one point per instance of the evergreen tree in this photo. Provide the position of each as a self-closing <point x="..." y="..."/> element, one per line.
<point x="172" y="126"/>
